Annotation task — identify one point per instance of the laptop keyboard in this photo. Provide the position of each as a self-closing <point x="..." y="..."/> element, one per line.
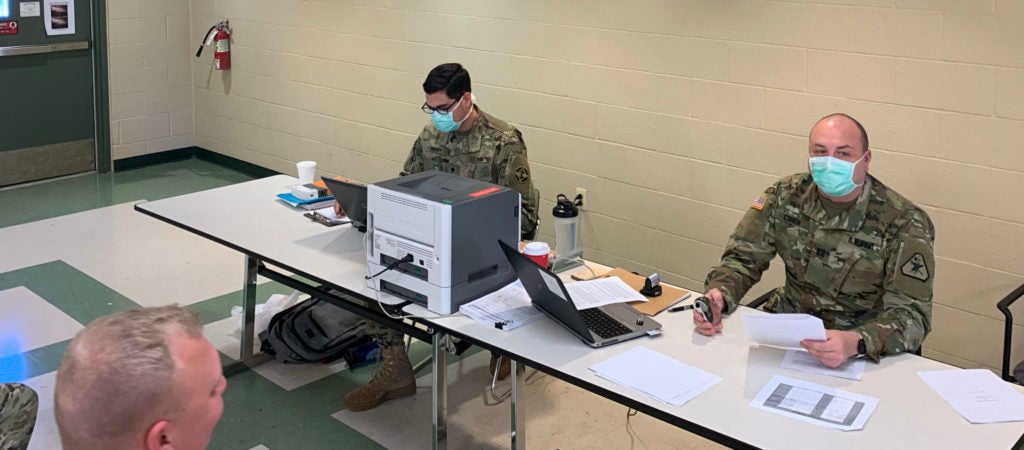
<point x="602" y="324"/>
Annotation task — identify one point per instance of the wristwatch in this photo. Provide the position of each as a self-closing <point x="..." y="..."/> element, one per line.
<point x="862" y="348"/>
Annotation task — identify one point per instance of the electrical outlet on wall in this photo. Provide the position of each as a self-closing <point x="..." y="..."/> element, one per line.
<point x="583" y="193"/>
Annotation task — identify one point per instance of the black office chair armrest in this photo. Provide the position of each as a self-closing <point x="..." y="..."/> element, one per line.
<point x="757" y="302"/>
<point x="1004" y="307"/>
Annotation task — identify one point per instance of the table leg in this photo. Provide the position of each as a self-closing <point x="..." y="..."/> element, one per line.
<point x="249" y="307"/>
<point x="518" y="382"/>
<point x="440" y="392"/>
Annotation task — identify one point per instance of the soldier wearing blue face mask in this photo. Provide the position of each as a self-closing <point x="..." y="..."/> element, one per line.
<point x="856" y="253"/>
<point x="464" y="140"/>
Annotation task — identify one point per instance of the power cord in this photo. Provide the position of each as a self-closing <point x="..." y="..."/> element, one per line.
<point x="405" y="259"/>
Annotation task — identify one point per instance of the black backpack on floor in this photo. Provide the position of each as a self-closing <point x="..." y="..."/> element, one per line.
<point x="316" y="331"/>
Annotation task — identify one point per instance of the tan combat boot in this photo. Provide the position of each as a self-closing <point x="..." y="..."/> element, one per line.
<point x="394" y="379"/>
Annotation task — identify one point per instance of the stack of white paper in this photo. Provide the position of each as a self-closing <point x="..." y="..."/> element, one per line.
<point x="801" y="360"/>
<point x="602" y="291"/>
<point x="656" y="375"/>
<point x="782" y="330"/>
<point x="977" y="394"/>
<point x="814" y="403"/>
<point x="506" y="309"/>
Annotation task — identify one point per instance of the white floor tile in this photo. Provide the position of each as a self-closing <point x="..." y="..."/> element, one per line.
<point x="149" y="261"/>
<point x="45" y="436"/>
<point x="556" y="412"/>
<point x="30" y="322"/>
<point x="222" y="334"/>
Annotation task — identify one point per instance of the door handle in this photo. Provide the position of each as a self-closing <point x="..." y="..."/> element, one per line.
<point x="17" y="50"/>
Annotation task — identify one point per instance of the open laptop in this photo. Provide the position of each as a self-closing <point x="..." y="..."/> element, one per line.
<point x="598" y="327"/>
<point x="352" y="198"/>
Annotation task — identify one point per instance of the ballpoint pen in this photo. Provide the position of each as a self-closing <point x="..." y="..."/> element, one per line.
<point x="684" y="307"/>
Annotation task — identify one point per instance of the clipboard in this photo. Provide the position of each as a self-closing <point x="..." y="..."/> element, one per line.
<point x="670" y="295"/>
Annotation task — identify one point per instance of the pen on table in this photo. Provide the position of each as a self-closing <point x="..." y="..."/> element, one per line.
<point x="684" y="307"/>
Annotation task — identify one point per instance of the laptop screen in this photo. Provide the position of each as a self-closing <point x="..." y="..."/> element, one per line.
<point x="546" y="291"/>
<point x="352" y="198"/>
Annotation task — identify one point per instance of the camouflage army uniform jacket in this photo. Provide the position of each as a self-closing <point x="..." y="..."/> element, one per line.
<point x="491" y="151"/>
<point x="19" y="405"/>
<point x="869" y="269"/>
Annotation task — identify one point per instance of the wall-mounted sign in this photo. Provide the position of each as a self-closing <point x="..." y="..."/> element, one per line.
<point x="29" y="9"/>
<point x="8" y="27"/>
<point x="59" y="17"/>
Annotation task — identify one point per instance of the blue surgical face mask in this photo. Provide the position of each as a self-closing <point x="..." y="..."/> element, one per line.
<point x="834" y="176"/>
<point x="444" y="122"/>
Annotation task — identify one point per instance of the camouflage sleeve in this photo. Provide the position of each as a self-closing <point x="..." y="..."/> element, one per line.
<point x="19" y="404"/>
<point x="905" y="318"/>
<point x="414" y="162"/>
<point x="748" y="253"/>
<point x="513" y="170"/>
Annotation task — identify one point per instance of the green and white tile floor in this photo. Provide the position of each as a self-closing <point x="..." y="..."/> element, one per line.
<point x="72" y="250"/>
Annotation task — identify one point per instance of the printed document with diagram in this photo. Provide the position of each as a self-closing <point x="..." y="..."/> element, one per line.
<point x="813" y="403"/>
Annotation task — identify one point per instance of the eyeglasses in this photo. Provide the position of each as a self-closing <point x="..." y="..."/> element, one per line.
<point x="441" y="109"/>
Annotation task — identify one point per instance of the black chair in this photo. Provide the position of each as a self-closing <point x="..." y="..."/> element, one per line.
<point x="1004" y="307"/>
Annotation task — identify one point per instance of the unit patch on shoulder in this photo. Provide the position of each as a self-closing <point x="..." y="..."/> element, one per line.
<point x="759" y="202"/>
<point x="522" y="174"/>
<point x="916" y="268"/>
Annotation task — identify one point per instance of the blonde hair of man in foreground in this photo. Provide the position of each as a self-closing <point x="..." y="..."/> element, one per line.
<point x="140" y="379"/>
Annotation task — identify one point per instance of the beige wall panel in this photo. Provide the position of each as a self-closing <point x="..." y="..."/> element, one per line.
<point x="949" y="5"/>
<point x="1010" y="93"/>
<point x="972" y="288"/>
<point x="808" y="26"/>
<point x="706" y="184"/>
<point x="762" y="151"/>
<point x="983" y="38"/>
<point x="122" y="9"/>
<point x="138" y="80"/>
<point x="182" y="123"/>
<point x="728" y="103"/>
<point x="668" y="134"/>
<point x="955" y="87"/>
<point x="145" y="128"/>
<point x="169" y="100"/>
<point x="137" y="30"/>
<point x="768" y="66"/>
<point x="165" y="7"/>
<point x="627" y="88"/>
<point x="126" y="56"/>
<point x="973" y="337"/>
<point x="536" y="110"/>
<point x="851" y="75"/>
<point x="896" y="32"/>
<point x="978" y="240"/>
<point x="170" y="143"/>
<point x="128" y="150"/>
<point x="976" y="190"/>
<point x="795" y="113"/>
<point x="126" y="106"/>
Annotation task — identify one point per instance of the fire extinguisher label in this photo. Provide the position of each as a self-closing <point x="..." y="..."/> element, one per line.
<point x="222" y="45"/>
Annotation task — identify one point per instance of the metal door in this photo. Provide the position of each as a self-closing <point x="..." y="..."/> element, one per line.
<point x="50" y="119"/>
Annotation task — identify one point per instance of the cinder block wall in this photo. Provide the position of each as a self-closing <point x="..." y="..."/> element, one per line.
<point x="672" y="114"/>
<point x="150" y="76"/>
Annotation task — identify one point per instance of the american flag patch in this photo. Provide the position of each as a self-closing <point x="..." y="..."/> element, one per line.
<point x="759" y="202"/>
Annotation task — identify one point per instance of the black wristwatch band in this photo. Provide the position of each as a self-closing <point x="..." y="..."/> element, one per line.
<point x="862" y="347"/>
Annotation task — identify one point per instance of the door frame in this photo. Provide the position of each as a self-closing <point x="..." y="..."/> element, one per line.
<point x="101" y="87"/>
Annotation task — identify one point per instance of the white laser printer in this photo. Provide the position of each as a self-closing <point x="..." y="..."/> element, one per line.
<point x="449" y="226"/>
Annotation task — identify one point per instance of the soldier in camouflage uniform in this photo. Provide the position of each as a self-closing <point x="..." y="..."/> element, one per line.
<point x="18" y="407"/>
<point x="860" y="259"/>
<point x="464" y="140"/>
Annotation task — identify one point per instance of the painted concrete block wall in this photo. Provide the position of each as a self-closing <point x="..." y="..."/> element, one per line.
<point x="672" y="114"/>
<point x="150" y="76"/>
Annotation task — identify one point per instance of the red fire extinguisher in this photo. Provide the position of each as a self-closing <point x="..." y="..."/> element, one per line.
<point x="221" y="41"/>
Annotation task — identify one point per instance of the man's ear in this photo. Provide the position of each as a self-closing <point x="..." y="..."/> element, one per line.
<point x="157" y="437"/>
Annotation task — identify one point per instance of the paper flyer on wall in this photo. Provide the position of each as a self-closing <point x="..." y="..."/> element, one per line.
<point x="59" y="17"/>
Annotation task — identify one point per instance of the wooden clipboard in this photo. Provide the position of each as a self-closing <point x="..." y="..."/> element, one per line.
<point x="670" y="295"/>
